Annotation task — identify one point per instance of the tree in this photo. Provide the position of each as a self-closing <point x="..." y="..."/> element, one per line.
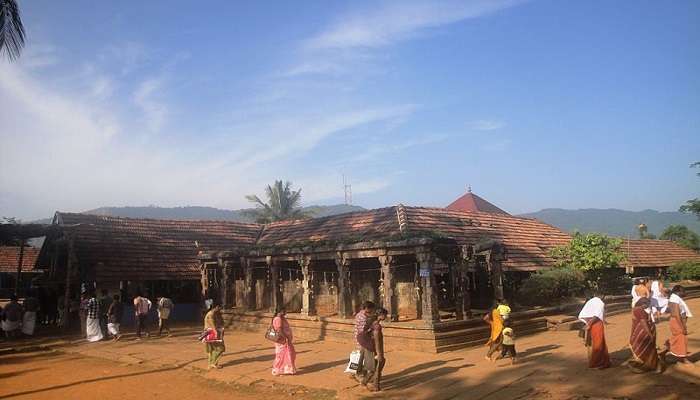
<point x="682" y="235"/>
<point x="598" y="256"/>
<point x="692" y="206"/>
<point x="283" y="203"/>
<point x="11" y="29"/>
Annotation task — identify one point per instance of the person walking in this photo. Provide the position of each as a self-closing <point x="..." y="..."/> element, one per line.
<point x="593" y="315"/>
<point x="105" y="302"/>
<point x="643" y="340"/>
<point x="141" y="307"/>
<point x="360" y="334"/>
<point x="92" y="321"/>
<point x="82" y="313"/>
<point x="31" y="309"/>
<point x="373" y="356"/>
<point x="114" y="317"/>
<point x="165" y="308"/>
<point x="12" y="318"/>
<point x="214" y="336"/>
<point x="494" y="319"/>
<point x="680" y="312"/>
<point x="508" y="342"/>
<point x="285" y="354"/>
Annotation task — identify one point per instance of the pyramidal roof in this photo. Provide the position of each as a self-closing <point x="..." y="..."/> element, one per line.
<point x="472" y="202"/>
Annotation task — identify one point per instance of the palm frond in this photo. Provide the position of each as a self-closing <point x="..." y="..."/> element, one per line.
<point x="12" y="33"/>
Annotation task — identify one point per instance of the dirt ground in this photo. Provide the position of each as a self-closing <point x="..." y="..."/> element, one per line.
<point x="552" y="365"/>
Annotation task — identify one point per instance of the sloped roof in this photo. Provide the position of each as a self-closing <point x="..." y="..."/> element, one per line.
<point x="9" y="258"/>
<point x="150" y="249"/>
<point x="472" y="203"/>
<point x="527" y="240"/>
<point x="380" y="223"/>
<point x="656" y="253"/>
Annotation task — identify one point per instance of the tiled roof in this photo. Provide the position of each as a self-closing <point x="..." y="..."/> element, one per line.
<point x="359" y="226"/>
<point x="9" y="258"/>
<point x="528" y="241"/>
<point x="656" y="253"/>
<point x="472" y="202"/>
<point x="150" y="249"/>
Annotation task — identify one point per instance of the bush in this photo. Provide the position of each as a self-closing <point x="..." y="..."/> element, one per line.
<point x="684" y="270"/>
<point x="551" y="286"/>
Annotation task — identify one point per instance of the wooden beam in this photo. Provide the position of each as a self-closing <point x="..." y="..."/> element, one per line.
<point x="343" y="264"/>
<point x="22" y="242"/>
<point x="308" y="306"/>
<point x="429" y="301"/>
<point x="387" y="287"/>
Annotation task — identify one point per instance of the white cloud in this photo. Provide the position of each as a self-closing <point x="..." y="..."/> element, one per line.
<point x="38" y="56"/>
<point x="155" y="112"/>
<point x="394" y="21"/>
<point x="487" y="125"/>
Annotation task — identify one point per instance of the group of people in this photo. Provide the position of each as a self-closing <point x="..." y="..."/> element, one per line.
<point x="19" y="319"/>
<point x="650" y="300"/>
<point x="502" y="337"/>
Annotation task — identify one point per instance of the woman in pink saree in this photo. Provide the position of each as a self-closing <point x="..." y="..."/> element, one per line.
<point x="285" y="355"/>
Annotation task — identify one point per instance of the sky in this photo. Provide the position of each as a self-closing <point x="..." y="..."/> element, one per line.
<point x="534" y="104"/>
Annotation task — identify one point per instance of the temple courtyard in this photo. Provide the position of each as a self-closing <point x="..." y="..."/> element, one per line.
<point x="552" y="365"/>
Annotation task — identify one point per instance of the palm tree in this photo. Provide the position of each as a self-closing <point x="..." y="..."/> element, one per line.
<point x="11" y="29"/>
<point x="283" y="203"/>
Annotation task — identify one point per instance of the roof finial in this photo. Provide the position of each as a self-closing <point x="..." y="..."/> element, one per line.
<point x="469" y="188"/>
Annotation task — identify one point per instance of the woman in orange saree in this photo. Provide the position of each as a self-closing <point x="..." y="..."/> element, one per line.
<point x="496" y="321"/>
<point x="593" y="315"/>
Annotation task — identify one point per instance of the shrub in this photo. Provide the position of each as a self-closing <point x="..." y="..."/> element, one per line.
<point x="551" y="286"/>
<point x="684" y="270"/>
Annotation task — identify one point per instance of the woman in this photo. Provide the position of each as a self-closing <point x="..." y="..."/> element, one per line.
<point x="285" y="355"/>
<point x="214" y="340"/>
<point x="593" y="315"/>
<point x="643" y="340"/>
<point x="678" y="343"/>
<point x="496" y="321"/>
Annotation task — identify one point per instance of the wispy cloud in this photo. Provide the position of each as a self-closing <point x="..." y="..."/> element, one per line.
<point x="486" y="125"/>
<point x="396" y="21"/>
<point x="155" y="112"/>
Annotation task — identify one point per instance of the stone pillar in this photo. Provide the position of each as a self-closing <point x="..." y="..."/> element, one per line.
<point x="224" y="268"/>
<point x="343" y="264"/>
<point x="275" y="290"/>
<point x="308" y="305"/>
<point x="248" y="294"/>
<point x="429" y="300"/>
<point x="461" y="285"/>
<point x="388" y="292"/>
<point x="496" y="276"/>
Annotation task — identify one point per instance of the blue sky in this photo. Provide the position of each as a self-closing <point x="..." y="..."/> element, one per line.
<point x="535" y="104"/>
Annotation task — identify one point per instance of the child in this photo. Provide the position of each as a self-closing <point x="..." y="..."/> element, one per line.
<point x="508" y="342"/>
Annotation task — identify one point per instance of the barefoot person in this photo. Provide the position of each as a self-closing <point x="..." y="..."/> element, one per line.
<point x="214" y="340"/>
<point x="494" y="319"/>
<point x="643" y="339"/>
<point x="508" y="342"/>
<point x="165" y="308"/>
<point x="678" y="343"/>
<point x="285" y="354"/>
<point x="141" y="307"/>
<point x="114" y="317"/>
<point x="361" y="335"/>
<point x="92" y="321"/>
<point x="373" y="357"/>
<point x="593" y="315"/>
<point x="639" y="290"/>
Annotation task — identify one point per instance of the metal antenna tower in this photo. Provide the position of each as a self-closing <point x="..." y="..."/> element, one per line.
<point x="348" y="191"/>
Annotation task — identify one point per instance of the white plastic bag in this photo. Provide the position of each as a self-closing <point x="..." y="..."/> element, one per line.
<point x="354" y="362"/>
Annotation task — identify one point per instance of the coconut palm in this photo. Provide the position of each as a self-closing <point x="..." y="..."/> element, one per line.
<point x="283" y="203"/>
<point x="11" y="29"/>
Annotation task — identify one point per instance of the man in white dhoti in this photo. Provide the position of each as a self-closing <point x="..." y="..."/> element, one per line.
<point x="93" y="329"/>
<point x="12" y="317"/>
<point x="31" y="307"/>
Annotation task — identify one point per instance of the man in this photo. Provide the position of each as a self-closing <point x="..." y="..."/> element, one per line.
<point x="105" y="302"/>
<point x="678" y="343"/>
<point x="114" y="317"/>
<point x="12" y="315"/>
<point x="373" y="356"/>
<point x="92" y="321"/>
<point x="31" y="309"/>
<point x="141" y="307"/>
<point x="165" y="308"/>
<point x="362" y="338"/>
